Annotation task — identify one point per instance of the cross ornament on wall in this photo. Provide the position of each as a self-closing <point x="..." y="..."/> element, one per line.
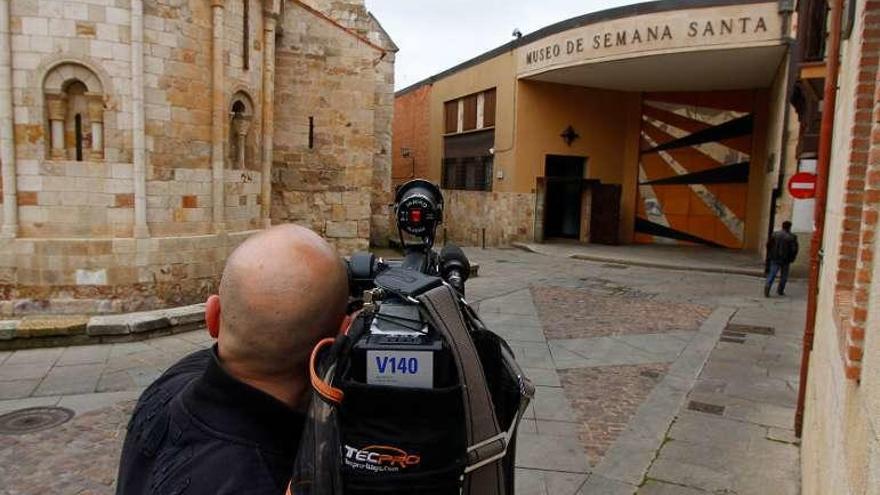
<point x="569" y="135"/>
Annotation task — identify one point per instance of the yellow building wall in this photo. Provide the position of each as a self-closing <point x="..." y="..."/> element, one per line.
<point x="494" y="73"/>
<point x="608" y="125"/>
<point x="531" y="115"/>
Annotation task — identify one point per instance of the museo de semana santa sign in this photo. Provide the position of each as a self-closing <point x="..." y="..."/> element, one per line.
<point x="681" y="30"/>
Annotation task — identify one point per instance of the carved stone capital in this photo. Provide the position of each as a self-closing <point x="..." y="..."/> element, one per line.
<point x="96" y="109"/>
<point x="241" y="124"/>
<point x="56" y="107"/>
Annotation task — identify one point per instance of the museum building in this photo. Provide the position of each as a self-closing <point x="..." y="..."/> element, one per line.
<point x="659" y="122"/>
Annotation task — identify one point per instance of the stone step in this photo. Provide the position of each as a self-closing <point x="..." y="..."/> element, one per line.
<point x="56" y="330"/>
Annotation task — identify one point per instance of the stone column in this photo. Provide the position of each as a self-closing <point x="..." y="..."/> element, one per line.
<point x="269" y="21"/>
<point x="242" y="126"/>
<point x="138" y="137"/>
<point x="218" y="116"/>
<point x="56" y="110"/>
<point x="96" y="116"/>
<point x="7" y="133"/>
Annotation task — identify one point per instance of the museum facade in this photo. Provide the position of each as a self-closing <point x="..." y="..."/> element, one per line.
<point x="660" y="122"/>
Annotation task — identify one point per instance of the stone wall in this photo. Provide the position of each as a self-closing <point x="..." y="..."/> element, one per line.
<point x="110" y="275"/>
<point x="74" y="199"/>
<point x="383" y="151"/>
<point x="48" y="33"/>
<point x="325" y="138"/>
<point x="505" y="217"/>
<point x="140" y="151"/>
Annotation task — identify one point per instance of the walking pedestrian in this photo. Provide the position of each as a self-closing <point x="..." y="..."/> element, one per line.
<point x="782" y="249"/>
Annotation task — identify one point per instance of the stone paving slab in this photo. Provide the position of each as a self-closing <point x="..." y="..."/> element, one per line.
<point x="538" y="482"/>
<point x="551" y="458"/>
<point x="686" y="258"/>
<point x="609" y="351"/>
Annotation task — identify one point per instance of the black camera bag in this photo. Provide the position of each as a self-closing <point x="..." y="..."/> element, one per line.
<point x="364" y="439"/>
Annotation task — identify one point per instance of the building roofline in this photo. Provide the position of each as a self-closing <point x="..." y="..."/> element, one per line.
<point x="392" y="46"/>
<point x="576" y="22"/>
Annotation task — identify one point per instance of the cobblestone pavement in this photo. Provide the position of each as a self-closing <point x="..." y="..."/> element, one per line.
<point x="576" y="313"/>
<point x="605" y="398"/>
<point x="611" y="413"/>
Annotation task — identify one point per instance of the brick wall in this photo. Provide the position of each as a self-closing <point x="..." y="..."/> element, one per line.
<point x="860" y="196"/>
<point x="411" y="130"/>
<point x="863" y="100"/>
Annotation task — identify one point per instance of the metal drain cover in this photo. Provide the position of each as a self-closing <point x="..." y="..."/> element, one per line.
<point x="705" y="407"/>
<point x="33" y="419"/>
<point x="753" y="329"/>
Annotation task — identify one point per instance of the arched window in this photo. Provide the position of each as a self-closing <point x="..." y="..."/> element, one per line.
<point x="75" y="113"/>
<point x="241" y="139"/>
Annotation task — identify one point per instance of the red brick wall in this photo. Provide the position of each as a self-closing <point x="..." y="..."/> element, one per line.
<point x="861" y="199"/>
<point x="861" y="144"/>
<point x="410" y="129"/>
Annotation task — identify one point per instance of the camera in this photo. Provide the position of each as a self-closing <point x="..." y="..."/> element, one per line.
<point x="398" y="348"/>
<point x="417" y="393"/>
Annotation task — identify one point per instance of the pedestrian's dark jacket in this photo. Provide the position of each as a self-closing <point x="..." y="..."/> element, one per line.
<point x="198" y="430"/>
<point x="782" y="247"/>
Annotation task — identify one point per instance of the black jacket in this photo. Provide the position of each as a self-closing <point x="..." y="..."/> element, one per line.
<point x="198" y="430"/>
<point x="782" y="247"/>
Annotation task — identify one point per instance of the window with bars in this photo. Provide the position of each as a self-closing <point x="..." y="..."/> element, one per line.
<point x="467" y="162"/>
<point x="469" y="174"/>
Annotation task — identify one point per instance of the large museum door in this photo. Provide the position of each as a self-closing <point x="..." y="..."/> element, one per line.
<point x="564" y="175"/>
<point x="694" y="167"/>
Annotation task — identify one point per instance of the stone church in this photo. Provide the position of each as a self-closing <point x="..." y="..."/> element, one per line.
<point x="142" y="140"/>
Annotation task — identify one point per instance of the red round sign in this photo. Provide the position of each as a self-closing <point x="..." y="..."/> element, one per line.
<point x="802" y="185"/>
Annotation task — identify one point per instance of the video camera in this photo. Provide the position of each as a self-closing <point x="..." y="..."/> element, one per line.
<point x="417" y="396"/>
<point x="399" y="349"/>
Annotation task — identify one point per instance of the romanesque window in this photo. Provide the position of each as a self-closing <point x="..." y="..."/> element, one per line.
<point x="74" y="100"/>
<point x="242" y="147"/>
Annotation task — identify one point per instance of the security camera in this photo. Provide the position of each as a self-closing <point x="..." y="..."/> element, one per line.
<point x="517" y="33"/>
<point x="491" y="151"/>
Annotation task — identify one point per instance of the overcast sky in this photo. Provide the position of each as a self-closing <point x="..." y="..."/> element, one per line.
<point x="434" y="35"/>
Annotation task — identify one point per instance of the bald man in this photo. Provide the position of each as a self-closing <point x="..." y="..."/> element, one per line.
<point x="227" y="420"/>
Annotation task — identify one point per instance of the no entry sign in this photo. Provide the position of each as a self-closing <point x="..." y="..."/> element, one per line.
<point x="802" y="185"/>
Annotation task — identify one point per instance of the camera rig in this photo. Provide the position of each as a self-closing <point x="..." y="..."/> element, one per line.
<point x="397" y="330"/>
<point x="417" y="394"/>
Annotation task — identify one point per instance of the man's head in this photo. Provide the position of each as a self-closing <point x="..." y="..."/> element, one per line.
<point x="282" y="290"/>
<point x="786" y="226"/>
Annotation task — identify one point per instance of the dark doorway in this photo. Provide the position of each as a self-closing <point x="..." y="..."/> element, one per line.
<point x="562" y="214"/>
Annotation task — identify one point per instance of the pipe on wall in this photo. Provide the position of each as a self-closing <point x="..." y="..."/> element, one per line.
<point x="829" y="103"/>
